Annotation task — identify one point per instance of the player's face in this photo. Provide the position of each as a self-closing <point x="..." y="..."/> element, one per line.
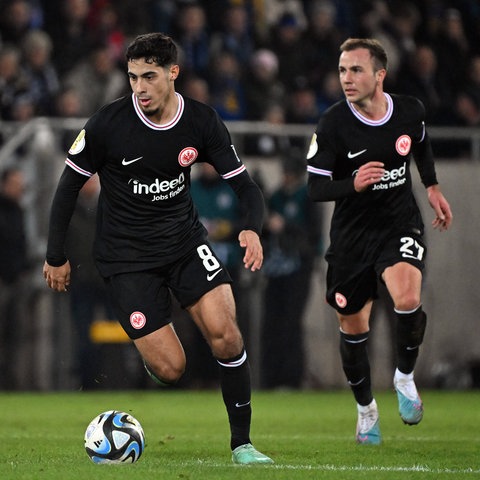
<point x="358" y="77"/>
<point x="152" y="85"/>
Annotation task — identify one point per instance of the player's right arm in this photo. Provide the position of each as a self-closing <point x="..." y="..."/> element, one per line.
<point x="321" y="163"/>
<point x="321" y="159"/>
<point x="56" y="269"/>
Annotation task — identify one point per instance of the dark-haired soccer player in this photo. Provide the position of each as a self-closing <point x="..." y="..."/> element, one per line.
<point x="149" y="239"/>
<point x="360" y="157"/>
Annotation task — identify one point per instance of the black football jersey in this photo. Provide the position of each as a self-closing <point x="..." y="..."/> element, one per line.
<point x="146" y="217"/>
<point x="343" y="141"/>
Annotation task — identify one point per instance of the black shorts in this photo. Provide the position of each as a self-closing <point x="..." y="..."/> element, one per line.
<point x="350" y="286"/>
<point x="141" y="301"/>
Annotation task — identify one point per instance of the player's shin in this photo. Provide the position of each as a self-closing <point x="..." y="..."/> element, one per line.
<point x="410" y="331"/>
<point x="236" y="391"/>
<point x="356" y="365"/>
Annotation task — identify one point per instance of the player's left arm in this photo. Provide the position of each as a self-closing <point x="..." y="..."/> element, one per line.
<point x="221" y="153"/>
<point x="423" y="156"/>
<point x="252" y="202"/>
<point x="443" y="213"/>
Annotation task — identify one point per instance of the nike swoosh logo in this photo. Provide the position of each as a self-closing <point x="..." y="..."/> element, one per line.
<point x="128" y="162"/>
<point x="356" y="154"/>
<point x="354" y="384"/>
<point x="238" y="405"/>
<point x="213" y="275"/>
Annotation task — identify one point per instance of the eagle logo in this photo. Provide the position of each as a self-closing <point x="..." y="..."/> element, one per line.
<point x="187" y="156"/>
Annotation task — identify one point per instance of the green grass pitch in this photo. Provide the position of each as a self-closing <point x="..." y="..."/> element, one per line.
<point x="310" y="435"/>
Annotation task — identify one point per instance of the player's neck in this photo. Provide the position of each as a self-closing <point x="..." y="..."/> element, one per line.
<point x="374" y="107"/>
<point x="168" y="112"/>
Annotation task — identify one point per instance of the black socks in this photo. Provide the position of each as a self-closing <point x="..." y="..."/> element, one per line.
<point x="236" y="392"/>
<point x="354" y="354"/>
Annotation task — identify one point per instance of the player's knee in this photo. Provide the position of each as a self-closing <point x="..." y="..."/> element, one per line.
<point x="226" y="343"/>
<point x="167" y="373"/>
<point x="408" y="301"/>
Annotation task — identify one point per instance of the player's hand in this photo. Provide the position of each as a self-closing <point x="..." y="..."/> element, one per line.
<point x="253" y="257"/>
<point x="444" y="216"/>
<point x="57" y="278"/>
<point x="368" y="174"/>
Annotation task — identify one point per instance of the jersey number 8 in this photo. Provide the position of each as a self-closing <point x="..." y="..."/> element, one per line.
<point x="209" y="261"/>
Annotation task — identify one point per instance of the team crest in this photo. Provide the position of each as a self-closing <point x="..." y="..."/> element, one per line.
<point x="187" y="156"/>
<point x="403" y="144"/>
<point x="138" y="320"/>
<point x="340" y="300"/>
<point x="79" y="144"/>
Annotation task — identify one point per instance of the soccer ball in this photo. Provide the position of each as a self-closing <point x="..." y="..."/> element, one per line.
<point x="114" y="437"/>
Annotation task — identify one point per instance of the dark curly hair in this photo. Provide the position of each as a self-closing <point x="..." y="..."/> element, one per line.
<point x="154" y="48"/>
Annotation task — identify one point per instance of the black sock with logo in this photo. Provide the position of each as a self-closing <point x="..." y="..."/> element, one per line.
<point x="236" y="392"/>
<point x="354" y="354"/>
<point x="410" y="331"/>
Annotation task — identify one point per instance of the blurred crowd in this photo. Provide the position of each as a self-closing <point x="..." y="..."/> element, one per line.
<point x="252" y="60"/>
<point x="273" y="60"/>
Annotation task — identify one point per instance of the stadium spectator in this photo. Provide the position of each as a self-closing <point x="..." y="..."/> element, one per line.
<point x="43" y="80"/>
<point x="452" y="50"/>
<point x="375" y="21"/>
<point x="23" y="109"/>
<point x="97" y="80"/>
<point x="331" y="91"/>
<point x="104" y="23"/>
<point x="195" y="87"/>
<point x="68" y="104"/>
<point x="467" y="106"/>
<point x="266" y="144"/>
<point x="302" y="106"/>
<point x="66" y="21"/>
<point x="193" y="37"/>
<point x="163" y="13"/>
<point x="292" y="235"/>
<point x="13" y="81"/>
<point x="321" y="40"/>
<point x="262" y="86"/>
<point x="236" y="35"/>
<point x="14" y="265"/>
<point x="286" y="41"/>
<point x="17" y="17"/>
<point x="420" y="78"/>
<point x="137" y="16"/>
<point x="468" y="100"/>
<point x="88" y="296"/>
<point x="274" y="10"/>
<point x="227" y="89"/>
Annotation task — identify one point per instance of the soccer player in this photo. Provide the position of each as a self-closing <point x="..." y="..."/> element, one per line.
<point x="149" y="239"/>
<point x="360" y="157"/>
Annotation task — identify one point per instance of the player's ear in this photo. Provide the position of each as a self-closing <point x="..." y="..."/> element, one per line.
<point x="380" y="75"/>
<point x="174" y="71"/>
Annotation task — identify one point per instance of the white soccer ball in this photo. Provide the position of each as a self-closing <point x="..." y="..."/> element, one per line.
<point x="114" y="437"/>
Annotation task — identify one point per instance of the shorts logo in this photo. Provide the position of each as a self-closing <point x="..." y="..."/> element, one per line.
<point x="138" y="320"/>
<point x="340" y="300"/>
<point x="403" y="144"/>
<point x="213" y="275"/>
<point x="187" y="156"/>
